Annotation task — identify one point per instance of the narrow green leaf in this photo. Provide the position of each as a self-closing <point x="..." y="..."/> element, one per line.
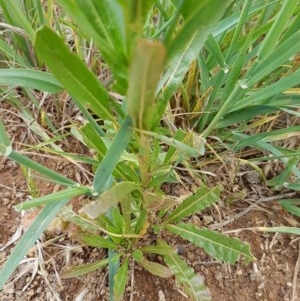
<point x="36" y="229"/>
<point x="74" y="75"/>
<point x="30" y="79"/>
<point x="17" y="16"/>
<point x="282" y="19"/>
<point x="53" y="197"/>
<point x="268" y="137"/>
<point x="97" y="241"/>
<point x="5" y="145"/>
<point x="215" y="244"/>
<point x="83" y="269"/>
<point x="294" y="186"/>
<point x="203" y="198"/>
<point x="144" y="73"/>
<point x="276" y="88"/>
<point x="186" y="46"/>
<point x="277" y="57"/>
<point x="159" y="249"/>
<point x="190" y="151"/>
<point x="290" y="206"/>
<point x="52" y="175"/>
<point x="192" y="283"/>
<point x="120" y="281"/>
<point x="113" y="155"/>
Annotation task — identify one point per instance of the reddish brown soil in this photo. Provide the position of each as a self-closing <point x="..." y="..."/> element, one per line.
<point x="272" y="277"/>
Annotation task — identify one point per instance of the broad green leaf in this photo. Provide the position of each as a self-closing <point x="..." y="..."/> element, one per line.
<point x="144" y="73"/>
<point x="73" y="74"/>
<point x="104" y="22"/>
<point x="197" y="202"/>
<point x="53" y="197"/>
<point x="113" y="155"/>
<point x="96" y="241"/>
<point x="83" y="269"/>
<point x="36" y="229"/>
<point x="155" y="268"/>
<point x="137" y="255"/>
<point x="30" y="79"/>
<point x="215" y="244"/>
<point x="108" y="199"/>
<point x="192" y="283"/>
<point x="120" y="280"/>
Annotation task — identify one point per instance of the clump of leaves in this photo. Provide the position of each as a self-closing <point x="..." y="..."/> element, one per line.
<point x="153" y="51"/>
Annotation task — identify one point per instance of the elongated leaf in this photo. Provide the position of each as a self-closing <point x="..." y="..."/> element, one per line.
<point x="108" y="199"/>
<point x="268" y="137"/>
<point x="71" y="71"/>
<point x="103" y="21"/>
<point x="155" y="268"/>
<point x="36" y="229"/>
<point x="282" y="19"/>
<point x="96" y="241"/>
<point x="5" y="145"/>
<point x="30" y="79"/>
<point x="53" y="197"/>
<point x="113" y="155"/>
<point x="192" y="283"/>
<point x="144" y="73"/>
<point x="187" y="44"/>
<point x="203" y="198"/>
<point x="52" y="175"/>
<point x="91" y="226"/>
<point x="290" y="206"/>
<point x="120" y="281"/>
<point x="83" y="269"/>
<point x="276" y="88"/>
<point x="294" y="185"/>
<point x="183" y="148"/>
<point x="215" y="244"/>
<point x="276" y="58"/>
<point x="159" y="249"/>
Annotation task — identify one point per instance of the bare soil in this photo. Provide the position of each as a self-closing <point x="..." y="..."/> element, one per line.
<point x="273" y="276"/>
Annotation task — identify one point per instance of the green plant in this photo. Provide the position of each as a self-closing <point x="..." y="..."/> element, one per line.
<point x="155" y="51"/>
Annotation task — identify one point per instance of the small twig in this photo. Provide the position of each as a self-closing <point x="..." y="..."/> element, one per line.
<point x="243" y="212"/>
<point x="132" y="282"/>
<point x="296" y="271"/>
